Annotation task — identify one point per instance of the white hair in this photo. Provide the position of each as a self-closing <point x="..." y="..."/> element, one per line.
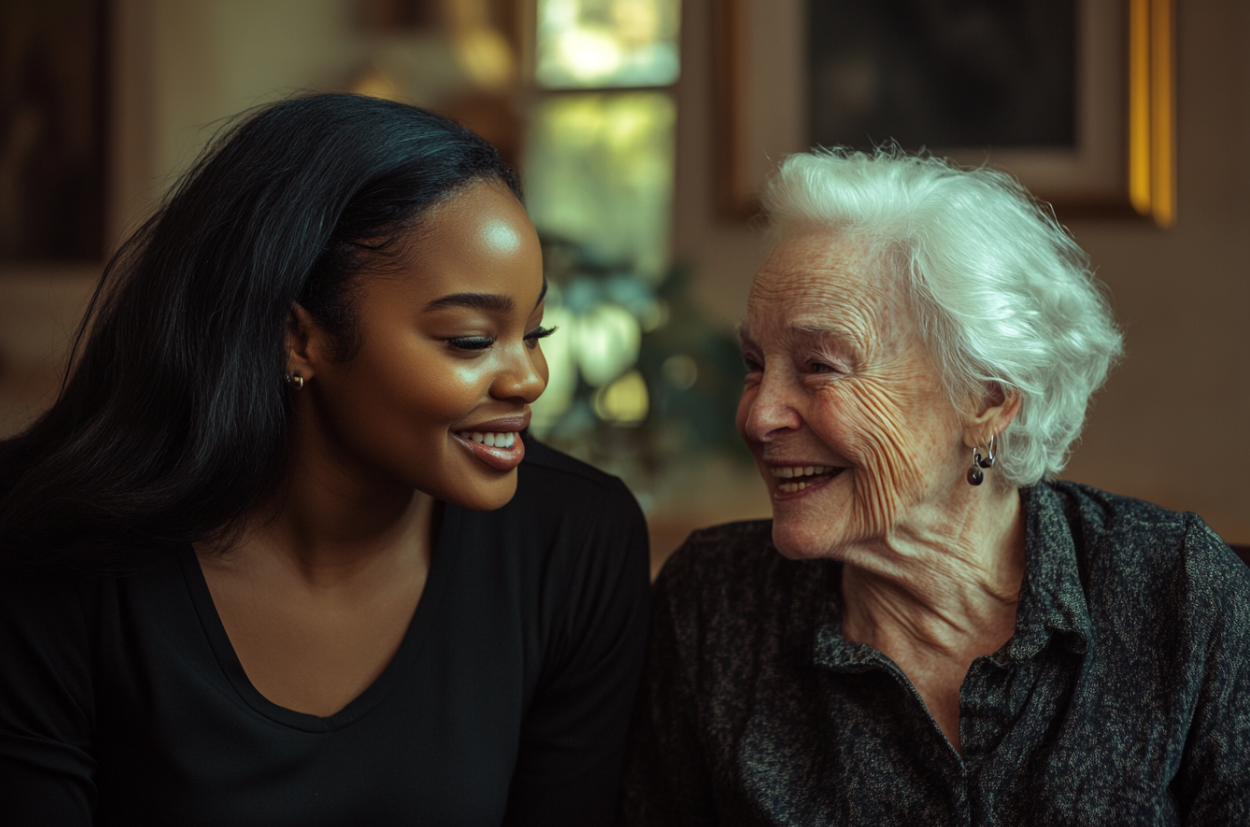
<point x="1002" y="294"/>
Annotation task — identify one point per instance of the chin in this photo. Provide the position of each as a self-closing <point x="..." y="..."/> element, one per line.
<point x="486" y="497"/>
<point x="797" y="542"/>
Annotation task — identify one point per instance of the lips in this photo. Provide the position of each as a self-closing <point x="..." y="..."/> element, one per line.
<point x="796" y="479"/>
<point x="497" y="442"/>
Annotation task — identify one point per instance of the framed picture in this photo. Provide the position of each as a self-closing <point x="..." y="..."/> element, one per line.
<point x="1073" y="97"/>
<point x="53" y="87"/>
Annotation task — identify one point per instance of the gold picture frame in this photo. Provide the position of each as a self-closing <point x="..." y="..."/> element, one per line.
<point x="1123" y="159"/>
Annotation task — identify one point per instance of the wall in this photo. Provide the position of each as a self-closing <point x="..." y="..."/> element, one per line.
<point x="1171" y="426"/>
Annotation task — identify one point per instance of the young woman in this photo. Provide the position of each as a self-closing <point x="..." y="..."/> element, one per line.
<point x="282" y="552"/>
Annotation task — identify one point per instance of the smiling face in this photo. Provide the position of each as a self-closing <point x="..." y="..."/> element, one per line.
<point x="449" y="360"/>
<point x="843" y="407"/>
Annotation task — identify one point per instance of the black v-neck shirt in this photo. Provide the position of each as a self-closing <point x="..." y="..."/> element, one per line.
<point x="123" y="702"/>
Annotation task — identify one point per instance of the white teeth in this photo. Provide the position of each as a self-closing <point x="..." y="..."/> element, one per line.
<point x="790" y="471"/>
<point x="791" y="487"/>
<point x="492" y="440"/>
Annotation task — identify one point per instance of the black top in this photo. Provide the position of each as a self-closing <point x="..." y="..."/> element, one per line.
<point x="1122" y="698"/>
<point x="506" y="702"/>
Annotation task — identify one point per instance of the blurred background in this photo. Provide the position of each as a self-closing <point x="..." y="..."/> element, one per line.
<point x="609" y="108"/>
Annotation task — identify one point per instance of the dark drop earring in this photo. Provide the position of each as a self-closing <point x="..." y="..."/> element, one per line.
<point x="975" y="475"/>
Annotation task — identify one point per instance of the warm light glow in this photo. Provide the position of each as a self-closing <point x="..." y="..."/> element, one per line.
<point x="375" y="83"/>
<point x="561" y="366"/>
<point x="1152" y="150"/>
<point x="1163" y="132"/>
<point x="485" y="57"/>
<point x="599" y="169"/>
<point x="598" y="43"/>
<point x="680" y="371"/>
<point x="587" y="54"/>
<point x="606" y="342"/>
<point x="1139" y="105"/>
<point x="625" y="401"/>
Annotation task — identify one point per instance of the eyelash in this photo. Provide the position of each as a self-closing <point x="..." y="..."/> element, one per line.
<point x="484" y="342"/>
<point x="753" y="365"/>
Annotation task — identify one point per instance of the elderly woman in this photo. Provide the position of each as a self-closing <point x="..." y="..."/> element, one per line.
<point x="932" y="629"/>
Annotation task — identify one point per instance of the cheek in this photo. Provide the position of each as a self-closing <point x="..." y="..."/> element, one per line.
<point x="862" y="418"/>
<point x="894" y="445"/>
<point x="422" y="389"/>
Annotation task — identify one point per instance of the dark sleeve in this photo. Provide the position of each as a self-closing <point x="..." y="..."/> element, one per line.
<point x="46" y="705"/>
<point x="569" y="764"/>
<point x="1213" y="784"/>
<point x="666" y="779"/>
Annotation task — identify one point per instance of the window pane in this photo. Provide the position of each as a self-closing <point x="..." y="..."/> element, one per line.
<point x="596" y="43"/>
<point x="599" y="172"/>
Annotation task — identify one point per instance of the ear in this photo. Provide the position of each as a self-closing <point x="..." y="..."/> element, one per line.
<point x="305" y="343"/>
<point x="992" y="414"/>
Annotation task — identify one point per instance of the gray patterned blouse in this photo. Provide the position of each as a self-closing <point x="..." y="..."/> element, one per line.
<point x="1122" y="698"/>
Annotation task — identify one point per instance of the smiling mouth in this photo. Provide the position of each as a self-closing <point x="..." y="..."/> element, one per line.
<point x="795" y="478"/>
<point x="505" y="439"/>
<point x="500" y="450"/>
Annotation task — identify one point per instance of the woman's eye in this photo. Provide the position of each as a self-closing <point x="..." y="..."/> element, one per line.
<point x="822" y="367"/>
<point x="470" y="342"/>
<point x="537" y="333"/>
<point x="751" y="364"/>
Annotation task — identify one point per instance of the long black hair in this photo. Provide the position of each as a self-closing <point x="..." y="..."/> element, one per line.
<point x="174" y="421"/>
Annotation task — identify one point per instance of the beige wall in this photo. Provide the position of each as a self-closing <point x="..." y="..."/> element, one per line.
<point x="1170" y="427"/>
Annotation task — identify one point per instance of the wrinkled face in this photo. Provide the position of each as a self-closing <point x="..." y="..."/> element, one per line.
<point x="843" y="408"/>
<point x="450" y="358"/>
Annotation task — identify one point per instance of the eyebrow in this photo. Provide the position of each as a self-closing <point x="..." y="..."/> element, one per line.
<point x="489" y="302"/>
<point x="816" y="329"/>
<point x="804" y="328"/>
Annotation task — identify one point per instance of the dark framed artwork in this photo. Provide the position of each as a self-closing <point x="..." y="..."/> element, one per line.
<point x="53" y="144"/>
<point x="1073" y="97"/>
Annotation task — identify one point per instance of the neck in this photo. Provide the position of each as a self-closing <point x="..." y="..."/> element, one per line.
<point x="326" y="527"/>
<point x="946" y="587"/>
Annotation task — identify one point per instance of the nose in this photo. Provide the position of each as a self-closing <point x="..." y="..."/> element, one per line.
<point x="767" y="410"/>
<point x="523" y="377"/>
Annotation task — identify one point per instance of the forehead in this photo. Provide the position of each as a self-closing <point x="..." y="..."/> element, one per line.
<point x="479" y="241"/>
<point x="817" y="275"/>
<point x="483" y="225"/>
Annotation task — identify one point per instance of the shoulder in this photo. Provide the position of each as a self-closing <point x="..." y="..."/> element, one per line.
<point x="49" y="630"/>
<point x="49" y="600"/>
<point x="552" y="475"/>
<point x="720" y="556"/>
<point x="1171" y="560"/>
<point x="1102" y="522"/>
<point x="576" y="517"/>
<point x="728" y="583"/>
<point x="1105" y="514"/>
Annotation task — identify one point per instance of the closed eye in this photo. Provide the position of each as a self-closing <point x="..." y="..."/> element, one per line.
<point x="540" y="333"/>
<point x="470" y="342"/>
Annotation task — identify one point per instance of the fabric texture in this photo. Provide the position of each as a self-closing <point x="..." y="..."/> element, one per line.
<point x="122" y="701"/>
<point x="1122" y="698"/>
